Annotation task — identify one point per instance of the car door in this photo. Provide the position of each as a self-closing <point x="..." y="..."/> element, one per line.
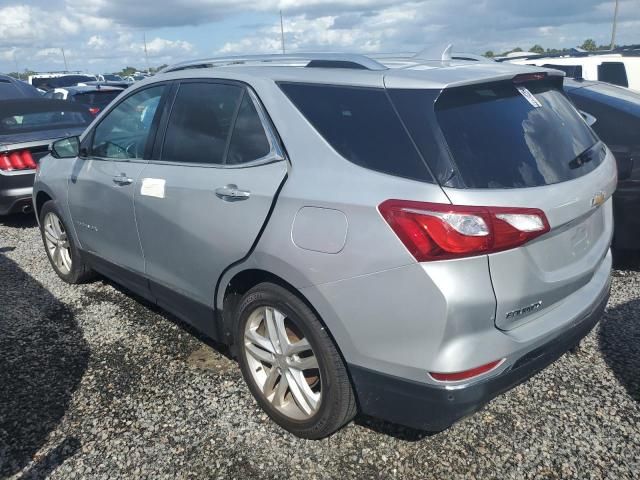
<point x="206" y="194"/>
<point x="103" y="182"/>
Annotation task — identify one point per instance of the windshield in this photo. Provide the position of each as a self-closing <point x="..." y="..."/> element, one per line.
<point x="503" y="135"/>
<point x="112" y="78"/>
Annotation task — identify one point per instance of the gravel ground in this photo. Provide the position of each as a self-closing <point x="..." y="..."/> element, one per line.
<point x="96" y="384"/>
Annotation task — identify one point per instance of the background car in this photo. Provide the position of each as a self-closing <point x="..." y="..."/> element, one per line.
<point x="27" y="127"/>
<point x="50" y="81"/>
<point x="109" y="77"/>
<point x="616" y="111"/>
<point x="94" y="97"/>
<point x="13" y="88"/>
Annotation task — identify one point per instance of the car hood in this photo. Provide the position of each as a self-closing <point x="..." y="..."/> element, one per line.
<point x="40" y="135"/>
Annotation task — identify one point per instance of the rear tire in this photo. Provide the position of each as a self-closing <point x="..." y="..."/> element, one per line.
<point x="63" y="254"/>
<point x="290" y="363"/>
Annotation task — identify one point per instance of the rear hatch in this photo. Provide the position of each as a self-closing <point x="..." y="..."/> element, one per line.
<point x="520" y="143"/>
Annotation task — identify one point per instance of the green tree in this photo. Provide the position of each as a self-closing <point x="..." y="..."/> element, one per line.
<point x="537" y="49"/>
<point x="589" y="45"/>
<point x="489" y="54"/>
<point x="128" y="71"/>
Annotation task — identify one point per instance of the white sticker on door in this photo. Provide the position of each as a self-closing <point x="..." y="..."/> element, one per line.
<point x="152" y="187"/>
<point x="524" y="91"/>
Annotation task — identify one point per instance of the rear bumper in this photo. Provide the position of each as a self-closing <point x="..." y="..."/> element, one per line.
<point x="15" y="191"/>
<point x="428" y="407"/>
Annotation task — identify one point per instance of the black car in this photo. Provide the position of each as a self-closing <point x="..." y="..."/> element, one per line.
<point x="94" y="97"/>
<point x="13" y="88"/>
<point x="27" y="128"/>
<point x="616" y="111"/>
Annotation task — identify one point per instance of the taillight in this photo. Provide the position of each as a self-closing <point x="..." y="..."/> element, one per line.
<point x="17" y="160"/>
<point x="27" y="159"/>
<point x="94" y="110"/>
<point x="435" y="231"/>
<point x="5" y="163"/>
<point x="466" y="374"/>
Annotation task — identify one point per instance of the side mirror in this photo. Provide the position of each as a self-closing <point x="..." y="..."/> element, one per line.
<point x="590" y="119"/>
<point x="66" y="148"/>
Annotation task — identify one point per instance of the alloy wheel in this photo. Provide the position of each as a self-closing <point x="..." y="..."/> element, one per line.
<point x="57" y="243"/>
<point x="282" y="363"/>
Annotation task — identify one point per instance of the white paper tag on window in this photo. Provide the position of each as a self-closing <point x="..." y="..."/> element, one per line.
<point x="152" y="187"/>
<point x="524" y="91"/>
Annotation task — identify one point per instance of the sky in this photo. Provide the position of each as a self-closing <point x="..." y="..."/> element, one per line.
<point x="107" y="35"/>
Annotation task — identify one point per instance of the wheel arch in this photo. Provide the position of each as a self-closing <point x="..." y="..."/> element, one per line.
<point x="41" y="198"/>
<point x="243" y="281"/>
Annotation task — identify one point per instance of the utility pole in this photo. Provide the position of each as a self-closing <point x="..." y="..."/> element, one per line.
<point x="613" y="32"/>
<point x="146" y="55"/>
<point x="66" y="69"/>
<point x="282" y="32"/>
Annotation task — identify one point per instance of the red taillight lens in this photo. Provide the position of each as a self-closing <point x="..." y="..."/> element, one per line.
<point x="5" y="163"/>
<point x="94" y="110"/>
<point x="27" y="159"/>
<point x="466" y="374"/>
<point x="433" y="231"/>
<point x="16" y="161"/>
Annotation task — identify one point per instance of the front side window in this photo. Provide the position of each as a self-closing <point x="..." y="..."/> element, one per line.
<point x="124" y="132"/>
<point x="200" y="123"/>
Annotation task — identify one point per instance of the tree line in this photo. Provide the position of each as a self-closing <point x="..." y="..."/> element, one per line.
<point x="589" y="45"/>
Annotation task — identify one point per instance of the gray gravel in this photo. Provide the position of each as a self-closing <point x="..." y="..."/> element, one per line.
<point x="97" y="384"/>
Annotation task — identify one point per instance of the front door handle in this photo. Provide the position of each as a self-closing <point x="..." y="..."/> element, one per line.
<point x="122" y="179"/>
<point x="231" y="193"/>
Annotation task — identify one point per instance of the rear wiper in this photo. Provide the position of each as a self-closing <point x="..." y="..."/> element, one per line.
<point x="584" y="157"/>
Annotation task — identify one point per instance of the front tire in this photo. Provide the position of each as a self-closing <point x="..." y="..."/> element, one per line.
<point x="61" y="249"/>
<point x="291" y="364"/>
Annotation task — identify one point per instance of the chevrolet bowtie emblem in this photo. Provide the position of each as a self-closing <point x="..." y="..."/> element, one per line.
<point x="598" y="199"/>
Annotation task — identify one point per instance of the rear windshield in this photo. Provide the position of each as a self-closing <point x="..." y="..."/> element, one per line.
<point x="503" y="135"/>
<point x="361" y="125"/>
<point x="96" y="99"/>
<point x="43" y="120"/>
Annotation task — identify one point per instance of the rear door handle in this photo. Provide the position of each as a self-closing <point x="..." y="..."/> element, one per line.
<point x="231" y="193"/>
<point x="122" y="179"/>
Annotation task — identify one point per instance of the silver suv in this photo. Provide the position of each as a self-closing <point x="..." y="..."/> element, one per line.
<point x="404" y="238"/>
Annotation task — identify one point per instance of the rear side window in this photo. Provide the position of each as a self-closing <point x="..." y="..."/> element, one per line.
<point x="200" y="123"/>
<point x="498" y="138"/>
<point x="7" y="90"/>
<point x="361" y="125"/>
<point x="248" y="141"/>
<point x="613" y="72"/>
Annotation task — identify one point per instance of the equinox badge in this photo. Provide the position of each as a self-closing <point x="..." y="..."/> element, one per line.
<point x="525" y="310"/>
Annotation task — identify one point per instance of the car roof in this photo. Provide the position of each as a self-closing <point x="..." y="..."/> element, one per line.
<point x="90" y="88"/>
<point x="347" y="69"/>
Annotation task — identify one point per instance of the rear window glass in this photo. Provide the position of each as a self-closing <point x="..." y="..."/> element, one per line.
<point x="613" y="72"/>
<point x="96" y="99"/>
<point x="498" y="138"/>
<point x="30" y="122"/>
<point x="8" y="90"/>
<point x="361" y="125"/>
<point x="573" y="71"/>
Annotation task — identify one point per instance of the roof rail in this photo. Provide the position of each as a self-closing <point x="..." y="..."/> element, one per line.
<point x="327" y="60"/>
